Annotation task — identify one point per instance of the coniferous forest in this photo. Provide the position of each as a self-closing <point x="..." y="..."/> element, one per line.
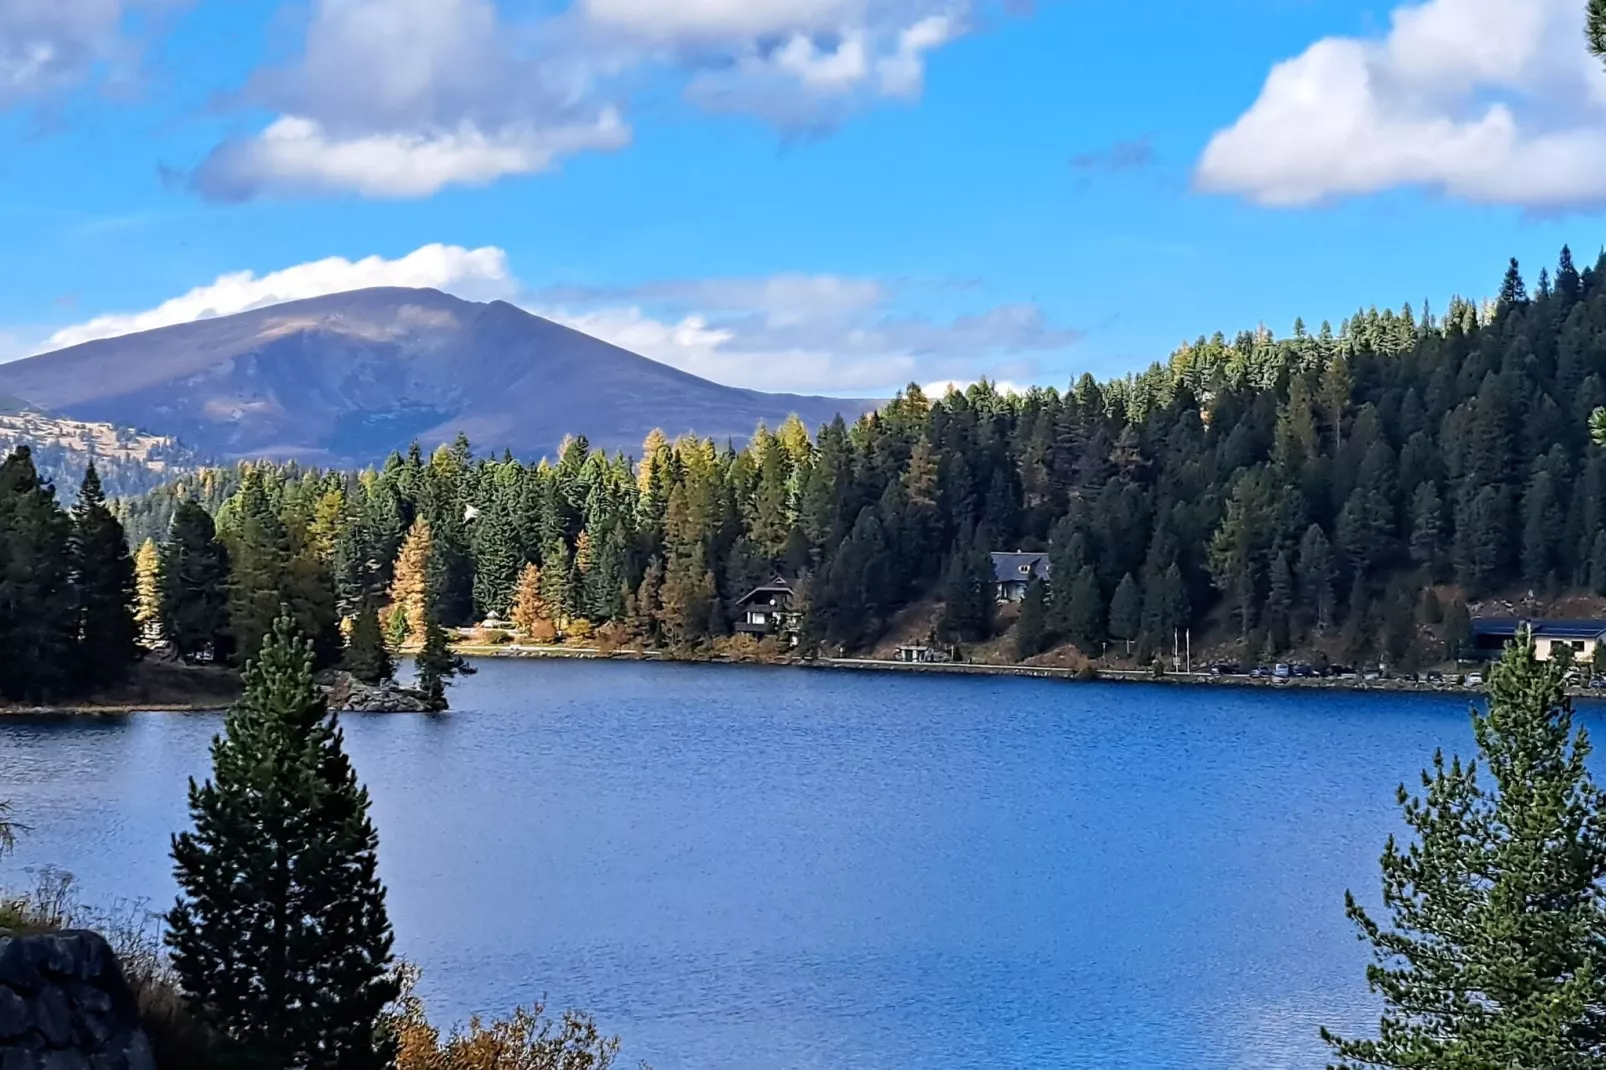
<point x="1357" y="485"/>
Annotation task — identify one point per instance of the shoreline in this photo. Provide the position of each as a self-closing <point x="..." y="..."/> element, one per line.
<point x="1041" y="672"/>
<point x="868" y="665"/>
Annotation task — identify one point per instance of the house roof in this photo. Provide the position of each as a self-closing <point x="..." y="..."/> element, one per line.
<point x="779" y="585"/>
<point x="1507" y="627"/>
<point x="1019" y="567"/>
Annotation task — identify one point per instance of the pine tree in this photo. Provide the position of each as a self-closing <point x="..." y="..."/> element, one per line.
<point x="194" y="580"/>
<point x="37" y="620"/>
<point x="103" y="584"/>
<point x="148" y="592"/>
<point x="1126" y="610"/>
<point x="436" y="664"/>
<point x="1494" y="953"/>
<point x="497" y="561"/>
<point x="1427" y="527"/>
<point x="259" y="566"/>
<point x="969" y="601"/>
<point x="367" y="657"/>
<point x="1085" y="615"/>
<point x="1315" y="574"/>
<point x="1457" y="630"/>
<point x="1031" y="627"/>
<point x="280" y="938"/>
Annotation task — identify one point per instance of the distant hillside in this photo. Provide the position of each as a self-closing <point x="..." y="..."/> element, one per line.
<point x="129" y="462"/>
<point x="349" y="377"/>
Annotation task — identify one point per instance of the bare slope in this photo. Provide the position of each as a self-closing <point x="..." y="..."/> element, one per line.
<point x="348" y="377"/>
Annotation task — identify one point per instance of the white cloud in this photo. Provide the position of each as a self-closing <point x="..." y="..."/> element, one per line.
<point x="475" y="274"/>
<point x="47" y="45"/>
<point x="299" y="155"/>
<point x="1493" y="101"/>
<point x="401" y="98"/>
<point x="805" y="333"/>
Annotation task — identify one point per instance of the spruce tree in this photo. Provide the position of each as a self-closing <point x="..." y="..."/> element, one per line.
<point x="259" y="565"/>
<point x="103" y="584"/>
<point x="38" y="622"/>
<point x="436" y="664"/>
<point x="193" y="585"/>
<point x="497" y="561"/>
<point x="1126" y="610"/>
<point x="366" y="656"/>
<point x="279" y="938"/>
<point x="1031" y="628"/>
<point x="1085" y="614"/>
<point x="1493" y="953"/>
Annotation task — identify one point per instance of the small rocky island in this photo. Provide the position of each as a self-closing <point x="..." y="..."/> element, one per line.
<point x="347" y="694"/>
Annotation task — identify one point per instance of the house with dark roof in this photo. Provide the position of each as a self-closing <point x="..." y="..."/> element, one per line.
<point x="1582" y="637"/>
<point x="767" y="611"/>
<point x="1012" y="572"/>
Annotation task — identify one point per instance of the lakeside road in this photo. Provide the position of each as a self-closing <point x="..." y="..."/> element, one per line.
<point x="866" y="665"/>
<point x="1139" y="676"/>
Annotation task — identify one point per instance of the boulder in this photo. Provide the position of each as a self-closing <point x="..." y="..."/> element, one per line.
<point x="348" y="694"/>
<point x="70" y="1009"/>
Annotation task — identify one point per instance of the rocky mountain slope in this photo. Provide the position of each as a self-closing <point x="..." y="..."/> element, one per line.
<point x="348" y="377"/>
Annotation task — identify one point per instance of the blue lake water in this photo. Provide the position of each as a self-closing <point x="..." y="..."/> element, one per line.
<point x="771" y="869"/>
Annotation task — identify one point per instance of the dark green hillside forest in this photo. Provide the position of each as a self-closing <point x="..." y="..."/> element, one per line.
<point x="1272" y="489"/>
<point x="1278" y="487"/>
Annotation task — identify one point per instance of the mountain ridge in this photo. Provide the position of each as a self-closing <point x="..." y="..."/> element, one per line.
<point x="345" y="378"/>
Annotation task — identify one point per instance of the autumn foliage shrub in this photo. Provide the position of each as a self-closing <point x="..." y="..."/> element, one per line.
<point x="528" y="1039"/>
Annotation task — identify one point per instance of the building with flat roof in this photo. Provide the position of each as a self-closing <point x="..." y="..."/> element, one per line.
<point x="1582" y="637"/>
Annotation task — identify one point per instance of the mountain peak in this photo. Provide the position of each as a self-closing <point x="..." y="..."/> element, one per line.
<point x="347" y="377"/>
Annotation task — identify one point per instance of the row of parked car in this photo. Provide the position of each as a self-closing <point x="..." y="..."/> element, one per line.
<point x="1302" y="671"/>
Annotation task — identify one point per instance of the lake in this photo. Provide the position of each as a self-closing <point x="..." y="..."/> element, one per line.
<point x="779" y="869"/>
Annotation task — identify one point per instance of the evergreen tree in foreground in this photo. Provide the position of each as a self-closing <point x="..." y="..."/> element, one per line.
<point x="103" y="582"/>
<point x="280" y="939"/>
<point x="1495" y="955"/>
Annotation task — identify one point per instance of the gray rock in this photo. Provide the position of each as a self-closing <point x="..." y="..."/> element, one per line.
<point x="15" y="1017"/>
<point x="75" y="1011"/>
<point x="52" y="1016"/>
<point x="64" y="1060"/>
<point x="17" y="969"/>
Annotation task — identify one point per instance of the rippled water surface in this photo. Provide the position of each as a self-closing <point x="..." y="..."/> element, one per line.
<point x="763" y="869"/>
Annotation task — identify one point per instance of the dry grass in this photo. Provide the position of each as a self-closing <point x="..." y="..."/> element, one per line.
<point x="178" y="1040"/>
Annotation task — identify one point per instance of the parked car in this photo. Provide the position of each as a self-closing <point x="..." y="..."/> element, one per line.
<point x="1303" y="671"/>
<point x="1341" y="671"/>
<point x="1597" y="682"/>
<point x="1282" y="671"/>
<point x="1226" y="668"/>
<point x="1259" y="672"/>
<point x="1473" y="679"/>
<point x="1435" y="677"/>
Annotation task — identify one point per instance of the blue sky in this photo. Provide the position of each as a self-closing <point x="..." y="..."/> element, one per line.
<point x="813" y="195"/>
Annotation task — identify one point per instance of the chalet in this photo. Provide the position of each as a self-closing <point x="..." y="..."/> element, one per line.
<point x="767" y="611"/>
<point x="1013" y="572"/>
<point x="1582" y="637"/>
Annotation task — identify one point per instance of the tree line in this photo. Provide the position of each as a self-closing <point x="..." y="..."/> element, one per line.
<point x="1284" y="490"/>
